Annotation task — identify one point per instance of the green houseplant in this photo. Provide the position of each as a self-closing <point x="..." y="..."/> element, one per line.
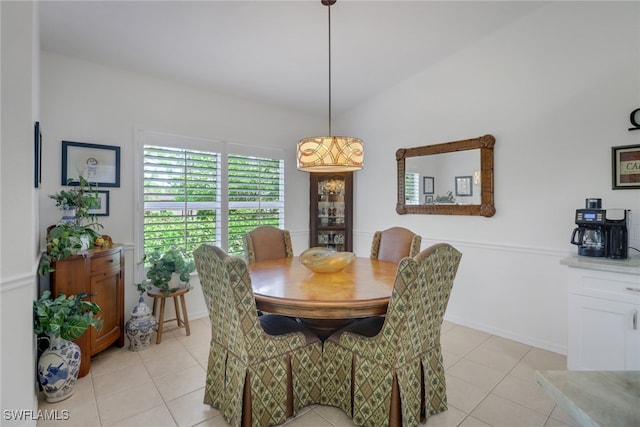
<point x="68" y="237"/>
<point x="62" y="319"/>
<point x="162" y="266"/>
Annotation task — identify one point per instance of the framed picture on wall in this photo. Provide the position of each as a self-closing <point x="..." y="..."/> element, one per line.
<point x="625" y="167"/>
<point x="463" y="186"/>
<point x="98" y="164"/>
<point x="37" y="155"/>
<point x="427" y="184"/>
<point x="101" y="207"/>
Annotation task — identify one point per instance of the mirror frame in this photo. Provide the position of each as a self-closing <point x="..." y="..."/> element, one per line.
<point x="486" y="207"/>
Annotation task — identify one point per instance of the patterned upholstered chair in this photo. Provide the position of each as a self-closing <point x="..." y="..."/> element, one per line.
<point x="261" y="369"/>
<point x="389" y="370"/>
<point x="267" y="242"/>
<point x="395" y="243"/>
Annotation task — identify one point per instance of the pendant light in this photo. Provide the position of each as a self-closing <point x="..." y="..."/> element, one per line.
<point x="330" y="153"/>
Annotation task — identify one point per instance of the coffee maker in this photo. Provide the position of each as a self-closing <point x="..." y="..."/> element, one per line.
<point x="601" y="232"/>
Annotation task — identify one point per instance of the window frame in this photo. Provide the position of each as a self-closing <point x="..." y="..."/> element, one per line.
<point x="224" y="148"/>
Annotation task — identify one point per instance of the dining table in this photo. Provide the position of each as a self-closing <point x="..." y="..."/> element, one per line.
<point x="324" y="302"/>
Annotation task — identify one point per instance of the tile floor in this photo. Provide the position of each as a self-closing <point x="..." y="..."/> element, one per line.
<point x="490" y="382"/>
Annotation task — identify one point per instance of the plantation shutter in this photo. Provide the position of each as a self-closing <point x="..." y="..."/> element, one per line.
<point x="255" y="194"/>
<point x="411" y="186"/>
<point x="181" y="198"/>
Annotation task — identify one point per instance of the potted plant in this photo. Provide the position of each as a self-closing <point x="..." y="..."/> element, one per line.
<point x="73" y="233"/>
<point x="165" y="266"/>
<point x="62" y="320"/>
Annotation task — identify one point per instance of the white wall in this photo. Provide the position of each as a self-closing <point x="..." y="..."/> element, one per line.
<point x="87" y="102"/>
<point x="18" y="209"/>
<point x="555" y="89"/>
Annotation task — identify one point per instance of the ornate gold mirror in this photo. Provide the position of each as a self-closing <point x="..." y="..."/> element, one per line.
<point x="452" y="178"/>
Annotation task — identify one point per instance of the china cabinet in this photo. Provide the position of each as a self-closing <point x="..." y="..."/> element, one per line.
<point x="331" y="210"/>
<point x="99" y="272"/>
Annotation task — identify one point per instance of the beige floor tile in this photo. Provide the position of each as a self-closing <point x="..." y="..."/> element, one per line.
<point x="69" y="414"/>
<point x="525" y="392"/>
<point x="120" y="379"/>
<point x="188" y="410"/>
<point x="310" y="419"/>
<point x="217" y="421"/>
<point x="335" y="415"/>
<point x="555" y="423"/>
<point x="450" y="418"/>
<point x="162" y="385"/>
<point x="473" y="422"/>
<point x="481" y="376"/>
<point x="179" y="383"/>
<point x="113" y="359"/>
<point x="500" y="412"/>
<point x="537" y="359"/>
<point x="156" y="417"/>
<point x="463" y="395"/>
<point x="449" y="359"/>
<point x="460" y="340"/>
<point x="127" y="403"/>
<point x="493" y="359"/>
<point x="169" y="363"/>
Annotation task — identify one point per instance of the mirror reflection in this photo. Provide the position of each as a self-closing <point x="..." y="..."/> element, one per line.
<point x="443" y="178"/>
<point x="452" y="178"/>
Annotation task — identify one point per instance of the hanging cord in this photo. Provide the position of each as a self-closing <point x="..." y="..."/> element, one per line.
<point x="328" y="4"/>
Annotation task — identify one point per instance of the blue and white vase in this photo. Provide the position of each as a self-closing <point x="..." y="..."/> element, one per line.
<point x="58" y="369"/>
<point x="140" y="327"/>
<point x="69" y="216"/>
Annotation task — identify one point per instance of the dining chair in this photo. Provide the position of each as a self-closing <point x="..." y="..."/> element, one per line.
<point x="395" y="243"/>
<point x="267" y="242"/>
<point x="388" y="370"/>
<point x="261" y="369"/>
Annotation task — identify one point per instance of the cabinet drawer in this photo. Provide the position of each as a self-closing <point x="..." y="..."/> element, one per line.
<point x="611" y="286"/>
<point x="105" y="263"/>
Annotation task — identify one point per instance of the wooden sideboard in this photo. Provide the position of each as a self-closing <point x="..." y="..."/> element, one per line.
<point x="99" y="272"/>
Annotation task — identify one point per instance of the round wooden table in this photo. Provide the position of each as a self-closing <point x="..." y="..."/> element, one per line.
<point x="323" y="301"/>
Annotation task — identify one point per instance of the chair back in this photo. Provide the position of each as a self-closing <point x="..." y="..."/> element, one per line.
<point x="227" y="291"/>
<point x="267" y="242"/>
<point x="437" y="269"/>
<point x="395" y="243"/>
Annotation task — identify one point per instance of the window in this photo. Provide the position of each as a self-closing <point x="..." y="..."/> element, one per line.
<point x="195" y="191"/>
<point x="181" y="197"/>
<point x="411" y="188"/>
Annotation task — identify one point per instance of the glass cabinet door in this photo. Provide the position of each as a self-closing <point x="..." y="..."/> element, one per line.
<point x="331" y="211"/>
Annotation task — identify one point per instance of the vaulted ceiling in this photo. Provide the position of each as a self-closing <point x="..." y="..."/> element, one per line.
<point x="274" y="52"/>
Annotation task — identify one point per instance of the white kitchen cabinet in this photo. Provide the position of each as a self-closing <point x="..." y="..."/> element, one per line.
<point x="604" y="311"/>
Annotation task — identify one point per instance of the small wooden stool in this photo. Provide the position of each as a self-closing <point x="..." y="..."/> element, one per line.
<point x="183" y="321"/>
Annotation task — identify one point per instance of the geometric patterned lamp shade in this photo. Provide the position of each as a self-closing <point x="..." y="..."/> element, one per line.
<point x="330" y="154"/>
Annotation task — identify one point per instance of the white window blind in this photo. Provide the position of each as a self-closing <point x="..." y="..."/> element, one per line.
<point x="181" y="197"/>
<point x="194" y="192"/>
<point x="256" y="196"/>
<point x="411" y="188"/>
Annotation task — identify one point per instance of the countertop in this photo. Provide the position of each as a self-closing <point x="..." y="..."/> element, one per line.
<point x="630" y="265"/>
<point x="595" y="398"/>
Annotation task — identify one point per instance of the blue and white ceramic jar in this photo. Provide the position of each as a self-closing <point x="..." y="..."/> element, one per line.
<point x="58" y="369"/>
<point x="140" y="327"/>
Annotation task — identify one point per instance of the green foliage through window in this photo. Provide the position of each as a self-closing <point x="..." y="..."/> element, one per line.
<point x="184" y="200"/>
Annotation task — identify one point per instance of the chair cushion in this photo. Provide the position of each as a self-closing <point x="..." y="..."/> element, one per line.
<point x="369" y="327"/>
<point x="274" y="324"/>
<point x="395" y="244"/>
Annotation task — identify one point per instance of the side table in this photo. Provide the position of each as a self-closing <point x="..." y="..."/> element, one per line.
<point x="182" y="320"/>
